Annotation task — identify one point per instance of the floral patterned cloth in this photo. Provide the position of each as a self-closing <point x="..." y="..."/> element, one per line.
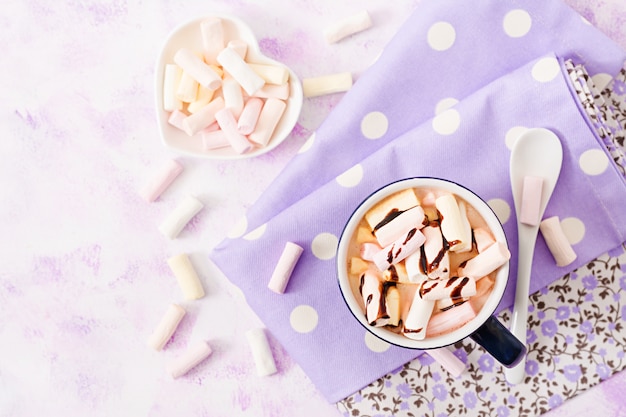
<point x="577" y="325"/>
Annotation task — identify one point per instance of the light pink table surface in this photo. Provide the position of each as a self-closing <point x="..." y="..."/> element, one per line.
<point x="83" y="273"/>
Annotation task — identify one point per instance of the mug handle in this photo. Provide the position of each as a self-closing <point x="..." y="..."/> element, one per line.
<point x="499" y="342"/>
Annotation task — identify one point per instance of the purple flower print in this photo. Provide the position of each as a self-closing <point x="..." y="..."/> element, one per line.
<point x="562" y="313"/>
<point x="404" y="390"/>
<point x="555" y="401"/>
<point x="548" y="328"/>
<point x="461" y="354"/>
<point x="470" y="400"/>
<point x="550" y="375"/>
<point x="586" y="327"/>
<point x="588" y="297"/>
<point x="426" y="360"/>
<point x="532" y="367"/>
<point x="541" y="315"/>
<point x="603" y="371"/>
<point x="440" y="392"/>
<point x="531" y="336"/>
<point x="485" y="362"/>
<point x="619" y="87"/>
<point x="512" y="399"/>
<point x="569" y="339"/>
<point x="405" y="406"/>
<point x="622" y="283"/>
<point x="503" y="411"/>
<point x="572" y="372"/>
<point x="436" y="377"/>
<point x="358" y="398"/>
<point x="590" y="282"/>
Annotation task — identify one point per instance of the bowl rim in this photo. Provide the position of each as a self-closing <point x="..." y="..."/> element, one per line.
<point x="489" y="216"/>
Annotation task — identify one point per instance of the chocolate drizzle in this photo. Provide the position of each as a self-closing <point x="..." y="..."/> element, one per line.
<point x="388" y="218"/>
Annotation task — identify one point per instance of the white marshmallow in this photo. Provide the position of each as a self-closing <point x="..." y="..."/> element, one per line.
<point x="228" y="124"/>
<point x="187" y="90"/>
<point x="466" y="240"/>
<point x="233" y="97"/>
<point x="348" y="26"/>
<point x="212" y="38"/>
<point x="186" y="276"/>
<point x="261" y="352"/>
<point x="396" y="273"/>
<point x="203" y="97"/>
<point x="202" y="118"/>
<point x="249" y="115"/>
<point x="239" y="46"/>
<point x="167" y="326"/>
<point x="180" y="216"/>
<point x="271" y="113"/>
<point x="273" y="91"/>
<point x="391" y="207"/>
<point x="452" y="225"/>
<point x="327" y="84"/>
<point x="284" y="267"/>
<point x="557" y="242"/>
<point x="171" y="78"/>
<point x="413" y="267"/>
<point x="437" y="258"/>
<point x="272" y="74"/>
<point x="371" y="291"/>
<point x="199" y="71"/>
<point x="417" y="319"/>
<point x="392" y="305"/>
<point x="400" y="249"/>
<point x="486" y="262"/>
<point x="189" y="360"/>
<point x="234" y="64"/>
<point x="166" y="175"/>
<point x="413" y="217"/>
<point x="453" y="287"/>
<point x="531" y="200"/>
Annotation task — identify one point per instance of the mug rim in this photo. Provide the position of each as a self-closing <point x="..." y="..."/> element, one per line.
<point x="433" y="342"/>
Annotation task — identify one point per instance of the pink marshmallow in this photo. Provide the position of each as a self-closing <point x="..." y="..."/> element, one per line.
<point x="400" y="224"/>
<point x="176" y="119"/>
<point x="483" y="239"/>
<point x="271" y="114"/>
<point x="368" y="250"/>
<point x="162" y="180"/>
<point x="228" y="124"/>
<point x="214" y="140"/>
<point x="531" y="200"/>
<point x="249" y="116"/>
<point x="203" y="118"/>
<point x="285" y="266"/>
<point x="190" y="359"/>
<point x="450" y="319"/>
<point x="486" y="262"/>
<point x="400" y="249"/>
<point x="448" y="361"/>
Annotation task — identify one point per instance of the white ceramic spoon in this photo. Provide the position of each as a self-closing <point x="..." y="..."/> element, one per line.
<point x="538" y="153"/>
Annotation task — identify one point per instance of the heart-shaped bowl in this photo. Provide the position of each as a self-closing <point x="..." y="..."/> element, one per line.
<point x="188" y="35"/>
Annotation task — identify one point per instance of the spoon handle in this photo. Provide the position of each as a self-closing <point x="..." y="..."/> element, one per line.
<point x="527" y="236"/>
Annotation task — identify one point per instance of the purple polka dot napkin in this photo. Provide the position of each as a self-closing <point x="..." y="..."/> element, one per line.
<point x="446" y="99"/>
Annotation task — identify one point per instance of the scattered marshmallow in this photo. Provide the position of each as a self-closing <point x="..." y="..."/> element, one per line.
<point x="212" y="33"/>
<point x="190" y="359"/>
<point x="166" y="328"/>
<point x="557" y="242"/>
<point x="228" y="124"/>
<point x="197" y="69"/>
<point x="531" y="200"/>
<point x="486" y="262"/>
<point x="285" y="266"/>
<point x="186" y="276"/>
<point x="271" y="114"/>
<point x="235" y="65"/>
<point x="180" y="216"/>
<point x="327" y="84"/>
<point x="171" y="78"/>
<point x="249" y="115"/>
<point x="448" y="361"/>
<point x="261" y="352"/>
<point x="348" y="26"/>
<point x="166" y="175"/>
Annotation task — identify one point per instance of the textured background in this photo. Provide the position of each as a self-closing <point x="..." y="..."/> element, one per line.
<point x="83" y="277"/>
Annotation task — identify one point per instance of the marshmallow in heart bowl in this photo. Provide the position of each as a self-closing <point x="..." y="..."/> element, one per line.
<point x="218" y="96"/>
<point x="423" y="263"/>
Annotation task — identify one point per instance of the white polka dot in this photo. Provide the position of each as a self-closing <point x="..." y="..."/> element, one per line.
<point x="375" y="344"/>
<point x="574" y="229"/>
<point x="351" y="177"/>
<point x="441" y="36"/>
<point x="256" y="233"/>
<point x="593" y="162"/>
<point x="501" y="208"/>
<point x="324" y="246"/>
<point x="517" y="23"/>
<point x="601" y="80"/>
<point x="308" y="144"/>
<point x="447" y="122"/>
<point x="546" y="69"/>
<point x="303" y="319"/>
<point x="374" y="125"/>
<point x="239" y="229"/>
<point x="512" y="134"/>
<point x="445" y="104"/>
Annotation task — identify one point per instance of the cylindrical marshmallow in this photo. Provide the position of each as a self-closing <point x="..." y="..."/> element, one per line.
<point x="165" y="176"/>
<point x="368" y="250"/>
<point x="199" y="71"/>
<point x="271" y="114"/>
<point x="452" y="225"/>
<point x="448" y="361"/>
<point x="327" y="84"/>
<point x="186" y="276"/>
<point x="400" y="249"/>
<point x="171" y="78"/>
<point x="393" y="306"/>
<point x="436" y="256"/>
<point x="249" y="80"/>
<point x="284" y="268"/>
<point x="483" y="239"/>
<point x="249" y="115"/>
<point x="261" y="352"/>
<point x="203" y="117"/>
<point x="453" y="287"/>
<point x="212" y="33"/>
<point x="228" y="124"/>
<point x="372" y="292"/>
<point x="390" y="207"/>
<point x="417" y="319"/>
<point x="450" y="320"/>
<point x="214" y="140"/>
<point x="486" y="262"/>
<point x="239" y="46"/>
<point x="189" y="360"/>
<point x="348" y="26"/>
<point x="233" y="97"/>
<point x="166" y="328"/>
<point x="204" y="97"/>
<point x="412" y="263"/>
<point x="272" y="74"/>
<point x="187" y="90"/>
<point x="531" y="200"/>
<point x="180" y="216"/>
<point x="176" y="119"/>
<point x="557" y="242"/>
<point x="273" y="91"/>
<point x="405" y="221"/>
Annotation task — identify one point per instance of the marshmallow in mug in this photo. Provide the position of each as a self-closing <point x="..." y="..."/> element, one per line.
<point x="426" y="281"/>
<point x="199" y="84"/>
